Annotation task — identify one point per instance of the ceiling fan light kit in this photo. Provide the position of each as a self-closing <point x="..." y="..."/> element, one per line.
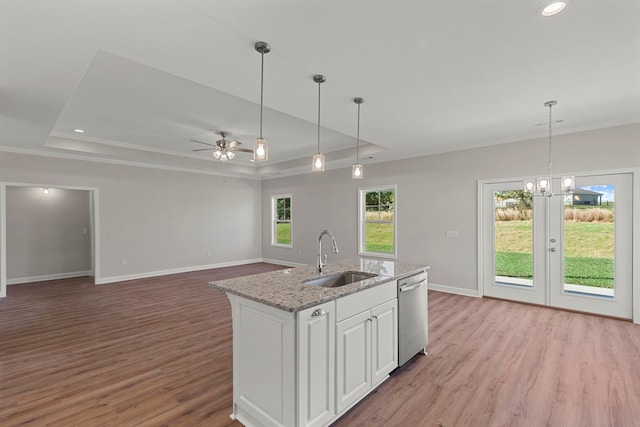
<point x="223" y="148"/>
<point x="260" y="149"/>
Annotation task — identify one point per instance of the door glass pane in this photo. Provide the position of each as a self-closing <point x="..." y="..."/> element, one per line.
<point x="513" y="237"/>
<point x="589" y="240"/>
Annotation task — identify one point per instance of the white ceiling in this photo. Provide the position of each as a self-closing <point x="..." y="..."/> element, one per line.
<point x="144" y="77"/>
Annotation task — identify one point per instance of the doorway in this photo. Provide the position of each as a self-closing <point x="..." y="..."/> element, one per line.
<point x="567" y="251"/>
<point x="52" y="233"/>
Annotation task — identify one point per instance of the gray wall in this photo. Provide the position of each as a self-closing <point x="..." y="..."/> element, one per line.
<point x="161" y="221"/>
<point x="157" y="220"/>
<point x="435" y="194"/>
<point x="47" y="234"/>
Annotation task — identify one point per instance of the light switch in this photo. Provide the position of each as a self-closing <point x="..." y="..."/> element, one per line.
<point x="453" y="233"/>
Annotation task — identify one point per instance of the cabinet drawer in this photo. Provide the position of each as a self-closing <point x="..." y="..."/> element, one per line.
<point x="360" y="301"/>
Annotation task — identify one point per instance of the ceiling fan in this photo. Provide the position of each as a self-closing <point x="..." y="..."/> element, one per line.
<point x="224" y="149"/>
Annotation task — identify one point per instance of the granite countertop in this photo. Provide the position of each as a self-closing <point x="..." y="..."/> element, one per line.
<point x="284" y="289"/>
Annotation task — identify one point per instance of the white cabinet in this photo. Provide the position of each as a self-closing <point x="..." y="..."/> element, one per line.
<point x="316" y="365"/>
<point x="308" y="368"/>
<point x="353" y="359"/>
<point x="283" y="364"/>
<point x="263" y="364"/>
<point x="384" y="340"/>
<point x="367" y="343"/>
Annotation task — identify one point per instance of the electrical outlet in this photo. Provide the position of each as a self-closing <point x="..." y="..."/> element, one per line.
<point x="124" y="262"/>
<point x="208" y="253"/>
<point x="453" y="233"/>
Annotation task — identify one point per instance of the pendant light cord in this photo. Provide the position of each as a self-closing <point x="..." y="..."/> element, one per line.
<point x="358" y="137"/>
<point x="550" y="138"/>
<point x="261" y="90"/>
<point x="319" y="116"/>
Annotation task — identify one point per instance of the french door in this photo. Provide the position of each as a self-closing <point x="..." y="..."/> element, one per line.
<point x="568" y="251"/>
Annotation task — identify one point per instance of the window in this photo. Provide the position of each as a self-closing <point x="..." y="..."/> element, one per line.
<point x="377" y="224"/>
<point x="281" y="220"/>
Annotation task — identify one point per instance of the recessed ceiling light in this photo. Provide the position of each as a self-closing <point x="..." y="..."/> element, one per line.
<point x="79" y="130"/>
<point x="553" y="8"/>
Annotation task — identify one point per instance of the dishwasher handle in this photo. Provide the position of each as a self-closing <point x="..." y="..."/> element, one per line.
<point x="408" y="288"/>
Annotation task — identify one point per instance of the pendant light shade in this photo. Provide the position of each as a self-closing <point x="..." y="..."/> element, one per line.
<point x="260" y="149"/>
<point x="318" y="158"/>
<point x="318" y="162"/>
<point x="357" y="171"/>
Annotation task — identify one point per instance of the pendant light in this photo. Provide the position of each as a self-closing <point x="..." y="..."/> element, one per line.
<point x="260" y="149"/>
<point x="318" y="158"/>
<point x="542" y="186"/>
<point x="358" y="169"/>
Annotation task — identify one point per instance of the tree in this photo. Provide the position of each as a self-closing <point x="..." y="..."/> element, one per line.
<point x="525" y="200"/>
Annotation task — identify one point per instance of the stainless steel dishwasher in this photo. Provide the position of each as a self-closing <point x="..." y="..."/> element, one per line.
<point x="413" y="317"/>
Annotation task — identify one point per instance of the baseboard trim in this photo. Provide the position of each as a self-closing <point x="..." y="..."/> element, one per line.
<point x="113" y="279"/>
<point x="454" y="290"/>
<point x="46" y="277"/>
<point x="287" y="263"/>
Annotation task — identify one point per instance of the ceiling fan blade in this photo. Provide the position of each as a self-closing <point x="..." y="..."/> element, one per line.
<point x="244" y="150"/>
<point x="205" y="149"/>
<point x="205" y="143"/>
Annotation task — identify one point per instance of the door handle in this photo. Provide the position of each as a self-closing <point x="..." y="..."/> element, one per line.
<point x="552" y="249"/>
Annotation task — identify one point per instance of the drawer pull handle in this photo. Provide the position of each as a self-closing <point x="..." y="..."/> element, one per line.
<point x="407" y="288"/>
<point x="318" y="312"/>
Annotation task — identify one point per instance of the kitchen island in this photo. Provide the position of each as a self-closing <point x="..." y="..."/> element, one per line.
<point x="303" y="354"/>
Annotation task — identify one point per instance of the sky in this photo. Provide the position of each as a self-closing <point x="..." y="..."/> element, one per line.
<point x="607" y="190"/>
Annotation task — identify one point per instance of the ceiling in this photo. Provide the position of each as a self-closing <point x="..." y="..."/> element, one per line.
<point x="143" y="78"/>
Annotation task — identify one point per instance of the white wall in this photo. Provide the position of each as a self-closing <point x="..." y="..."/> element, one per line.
<point x="48" y="234"/>
<point x="157" y="220"/>
<point x="435" y="193"/>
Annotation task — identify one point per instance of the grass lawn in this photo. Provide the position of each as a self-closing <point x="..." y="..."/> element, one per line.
<point x="283" y="233"/>
<point x="588" y="252"/>
<point x="596" y="272"/>
<point x="379" y="238"/>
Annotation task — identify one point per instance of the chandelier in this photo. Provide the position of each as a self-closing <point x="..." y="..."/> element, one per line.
<point x="542" y="186"/>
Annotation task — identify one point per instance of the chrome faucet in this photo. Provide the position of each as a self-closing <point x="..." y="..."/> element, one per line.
<point x="322" y="261"/>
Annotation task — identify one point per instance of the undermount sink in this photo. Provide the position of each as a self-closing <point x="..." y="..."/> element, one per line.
<point x="339" y="279"/>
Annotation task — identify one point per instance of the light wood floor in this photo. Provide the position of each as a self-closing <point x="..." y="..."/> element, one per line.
<point x="156" y="352"/>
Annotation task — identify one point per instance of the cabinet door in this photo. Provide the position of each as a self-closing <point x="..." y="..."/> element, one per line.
<point x="316" y="363"/>
<point x="384" y="340"/>
<point x="353" y="359"/>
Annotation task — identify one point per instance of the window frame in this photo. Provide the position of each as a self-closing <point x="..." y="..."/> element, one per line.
<point x="362" y="192"/>
<point x="275" y="221"/>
